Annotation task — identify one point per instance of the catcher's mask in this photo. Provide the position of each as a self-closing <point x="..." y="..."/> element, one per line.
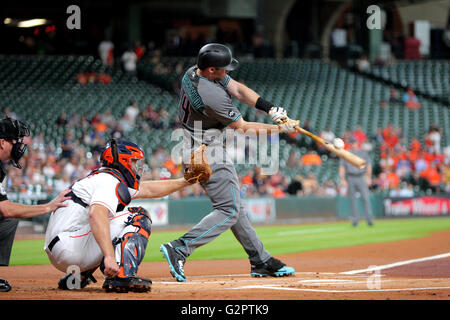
<point x="127" y="157"/>
<point x="15" y="130"/>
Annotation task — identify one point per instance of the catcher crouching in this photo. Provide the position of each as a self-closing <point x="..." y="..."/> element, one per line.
<point x="95" y="230"/>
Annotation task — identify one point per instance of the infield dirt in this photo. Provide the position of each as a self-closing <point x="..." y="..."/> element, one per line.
<point x="318" y="277"/>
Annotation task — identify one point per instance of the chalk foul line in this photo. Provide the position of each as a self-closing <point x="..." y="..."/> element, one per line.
<point x="397" y="264"/>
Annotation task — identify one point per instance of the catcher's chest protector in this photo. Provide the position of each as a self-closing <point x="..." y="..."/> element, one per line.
<point x="122" y="192"/>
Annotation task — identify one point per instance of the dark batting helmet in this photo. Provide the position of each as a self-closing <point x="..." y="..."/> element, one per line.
<point x="15" y="130"/>
<point x="216" y="55"/>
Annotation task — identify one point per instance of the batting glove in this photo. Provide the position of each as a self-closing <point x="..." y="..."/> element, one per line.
<point x="278" y="114"/>
<point x="288" y="126"/>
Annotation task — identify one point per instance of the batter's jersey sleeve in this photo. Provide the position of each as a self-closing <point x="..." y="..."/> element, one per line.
<point x="218" y="103"/>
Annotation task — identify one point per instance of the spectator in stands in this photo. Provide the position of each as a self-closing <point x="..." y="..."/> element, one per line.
<point x="67" y="145"/>
<point x="433" y="139"/>
<point x="328" y="189"/>
<point x="410" y="99"/>
<point x="420" y="164"/>
<point x="394" y="98"/>
<point x="295" y="187"/>
<point x="404" y="190"/>
<point x="393" y="179"/>
<point x="62" y="121"/>
<point x="310" y="185"/>
<point x="139" y="50"/>
<point x="159" y="157"/>
<point x="359" y="134"/>
<point x="248" y="178"/>
<point x="433" y="176"/>
<point x="363" y="64"/>
<point x="292" y="161"/>
<point x="390" y="137"/>
<point x="311" y="159"/>
<point x="129" y="60"/>
<point x="403" y="167"/>
<point x="106" y="52"/>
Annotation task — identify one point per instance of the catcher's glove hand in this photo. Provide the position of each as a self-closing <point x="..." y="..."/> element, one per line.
<point x="198" y="170"/>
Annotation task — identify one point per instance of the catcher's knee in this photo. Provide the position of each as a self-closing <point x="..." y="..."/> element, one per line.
<point x="130" y="248"/>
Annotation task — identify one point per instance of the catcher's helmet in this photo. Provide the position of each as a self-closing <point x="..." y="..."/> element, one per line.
<point x="216" y="55"/>
<point x="15" y="130"/>
<point x="118" y="154"/>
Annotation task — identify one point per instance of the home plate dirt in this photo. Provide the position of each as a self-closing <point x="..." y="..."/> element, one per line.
<point x="402" y="270"/>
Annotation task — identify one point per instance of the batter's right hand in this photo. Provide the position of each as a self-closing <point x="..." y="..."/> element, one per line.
<point x="111" y="267"/>
<point x="278" y="114"/>
<point x="289" y="126"/>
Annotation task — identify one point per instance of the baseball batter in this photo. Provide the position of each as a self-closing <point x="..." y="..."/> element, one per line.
<point x="206" y="103"/>
<point x="94" y="230"/>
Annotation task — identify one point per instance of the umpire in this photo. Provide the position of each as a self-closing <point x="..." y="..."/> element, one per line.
<point x="357" y="180"/>
<point x="12" y="148"/>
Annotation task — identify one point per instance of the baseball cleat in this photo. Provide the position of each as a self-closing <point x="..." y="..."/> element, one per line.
<point x="4" y="286"/>
<point x="124" y="285"/>
<point x="175" y="260"/>
<point x="272" y="267"/>
<point x="86" y="278"/>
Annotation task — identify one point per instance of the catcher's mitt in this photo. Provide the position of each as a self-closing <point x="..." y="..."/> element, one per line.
<point x="198" y="170"/>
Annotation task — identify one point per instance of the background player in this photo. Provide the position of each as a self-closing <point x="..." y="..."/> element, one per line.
<point x="12" y="148"/>
<point x="81" y="233"/>
<point x="205" y="98"/>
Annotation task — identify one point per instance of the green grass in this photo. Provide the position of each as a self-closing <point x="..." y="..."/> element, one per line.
<point x="277" y="239"/>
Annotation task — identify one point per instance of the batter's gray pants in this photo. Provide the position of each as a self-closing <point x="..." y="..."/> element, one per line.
<point x="224" y="191"/>
<point x="8" y="229"/>
<point x="359" y="184"/>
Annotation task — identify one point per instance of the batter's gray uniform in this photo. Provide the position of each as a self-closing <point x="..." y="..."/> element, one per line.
<point x="356" y="182"/>
<point x="206" y="105"/>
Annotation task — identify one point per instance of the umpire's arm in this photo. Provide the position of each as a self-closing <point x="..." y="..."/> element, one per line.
<point x="17" y="210"/>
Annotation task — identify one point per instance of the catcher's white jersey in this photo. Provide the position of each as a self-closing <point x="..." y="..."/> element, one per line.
<point x="77" y="245"/>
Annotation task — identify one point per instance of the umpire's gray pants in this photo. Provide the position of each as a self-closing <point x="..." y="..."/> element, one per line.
<point x="359" y="184"/>
<point x="8" y="229"/>
<point x="224" y="191"/>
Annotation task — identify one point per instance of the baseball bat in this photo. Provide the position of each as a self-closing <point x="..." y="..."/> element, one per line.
<point x="341" y="153"/>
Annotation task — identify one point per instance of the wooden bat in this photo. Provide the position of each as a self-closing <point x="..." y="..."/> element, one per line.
<point x="341" y="153"/>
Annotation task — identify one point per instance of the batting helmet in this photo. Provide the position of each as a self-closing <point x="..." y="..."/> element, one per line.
<point x="216" y="55"/>
<point x="118" y="154"/>
<point x="12" y="129"/>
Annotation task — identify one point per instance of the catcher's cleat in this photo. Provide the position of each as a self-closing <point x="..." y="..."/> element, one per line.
<point x="86" y="278"/>
<point x="176" y="261"/>
<point x="272" y="267"/>
<point x="130" y="284"/>
<point x="4" y="285"/>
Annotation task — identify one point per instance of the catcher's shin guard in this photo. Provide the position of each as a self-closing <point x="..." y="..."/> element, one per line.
<point x="130" y="250"/>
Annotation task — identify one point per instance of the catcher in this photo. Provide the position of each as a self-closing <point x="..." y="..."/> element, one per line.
<point x="95" y="231"/>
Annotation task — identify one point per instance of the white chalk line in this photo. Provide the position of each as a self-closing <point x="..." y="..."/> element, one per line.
<point x="338" y="291"/>
<point x="397" y="264"/>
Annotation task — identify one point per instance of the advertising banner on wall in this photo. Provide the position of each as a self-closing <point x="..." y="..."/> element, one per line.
<point x="418" y="206"/>
<point x="260" y="209"/>
<point x="159" y="211"/>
